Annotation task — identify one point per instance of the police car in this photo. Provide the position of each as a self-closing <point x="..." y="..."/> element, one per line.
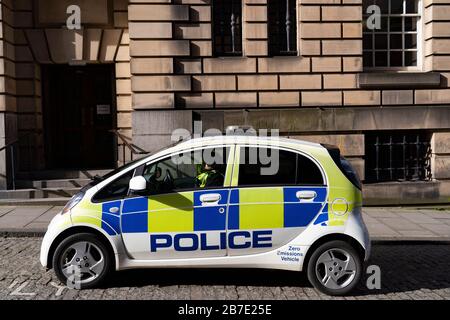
<point x="270" y="203"/>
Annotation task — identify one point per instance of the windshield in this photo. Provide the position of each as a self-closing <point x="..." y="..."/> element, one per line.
<point x="97" y="179"/>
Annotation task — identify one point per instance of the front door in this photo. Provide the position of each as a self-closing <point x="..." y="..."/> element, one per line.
<point x="182" y="215"/>
<point x="79" y="112"/>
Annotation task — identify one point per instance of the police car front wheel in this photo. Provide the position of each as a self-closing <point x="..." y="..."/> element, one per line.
<point x="334" y="268"/>
<point x="82" y="261"/>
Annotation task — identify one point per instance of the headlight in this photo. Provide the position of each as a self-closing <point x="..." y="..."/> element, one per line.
<point x="73" y="202"/>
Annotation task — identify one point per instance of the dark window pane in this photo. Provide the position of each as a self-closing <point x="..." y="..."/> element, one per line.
<point x="384" y="24"/>
<point x="395" y="24"/>
<point x="367" y="3"/>
<point x="396" y="41"/>
<point x="384" y="6"/>
<point x="254" y="165"/>
<point x="227" y="27"/>
<point x="381" y="59"/>
<point x="367" y="41"/>
<point x="396" y="6"/>
<point x="410" y="24"/>
<point x="380" y="41"/>
<point x="396" y="58"/>
<point x="410" y="41"/>
<point x="368" y="56"/>
<point x="411" y="58"/>
<point x="282" y="27"/>
<point x="308" y="173"/>
<point x="411" y="6"/>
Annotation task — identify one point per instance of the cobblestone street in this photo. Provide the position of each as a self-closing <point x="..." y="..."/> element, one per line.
<point x="408" y="271"/>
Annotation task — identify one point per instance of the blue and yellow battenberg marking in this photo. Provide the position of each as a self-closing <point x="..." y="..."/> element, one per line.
<point x="249" y="209"/>
<point x="270" y="208"/>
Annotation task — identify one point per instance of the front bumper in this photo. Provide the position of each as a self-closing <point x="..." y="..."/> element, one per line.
<point x="56" y="226"/>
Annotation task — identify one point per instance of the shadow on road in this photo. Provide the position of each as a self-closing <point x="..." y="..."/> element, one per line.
<point x="403" y="268"/>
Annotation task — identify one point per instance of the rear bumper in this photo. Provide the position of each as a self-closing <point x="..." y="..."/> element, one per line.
<point x="357" y="229"/>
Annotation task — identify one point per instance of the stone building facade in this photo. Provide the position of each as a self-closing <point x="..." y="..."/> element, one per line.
<point x="382" y="96"/>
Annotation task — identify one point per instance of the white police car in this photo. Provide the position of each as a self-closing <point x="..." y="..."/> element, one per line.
<point x="232" y="201"/>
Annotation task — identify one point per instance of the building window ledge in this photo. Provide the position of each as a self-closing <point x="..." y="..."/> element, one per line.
<point x="399" y="80"/>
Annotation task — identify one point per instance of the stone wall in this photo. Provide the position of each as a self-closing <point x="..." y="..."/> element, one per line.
<point x="173" y="66"/>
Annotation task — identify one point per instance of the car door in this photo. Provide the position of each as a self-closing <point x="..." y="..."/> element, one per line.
<point x="177" y="218"/>
<point x="276" y="193"/>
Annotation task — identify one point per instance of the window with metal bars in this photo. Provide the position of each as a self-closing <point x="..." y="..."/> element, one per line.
<point x="396" y="43"/>
<point x="392" y="156"/>
<point x="282" y="27"/>
<point x="227" y="15"/>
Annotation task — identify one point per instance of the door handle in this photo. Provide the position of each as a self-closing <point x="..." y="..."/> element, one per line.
<point x="210" y="197"/>
<point x="306" y="195"/>
<point x="114" y="210"/>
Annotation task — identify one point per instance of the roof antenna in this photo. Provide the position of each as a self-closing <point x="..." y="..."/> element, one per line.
<point x="243" y="130"/>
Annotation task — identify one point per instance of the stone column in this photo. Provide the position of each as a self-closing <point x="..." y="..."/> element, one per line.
<point x="8" y="116"/>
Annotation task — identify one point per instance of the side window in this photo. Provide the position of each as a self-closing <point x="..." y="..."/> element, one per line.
<point x="116" y="189"/>
<point x="308" y="173"/>
<point x="190" y="170"/>
<point x="265" y="166"/>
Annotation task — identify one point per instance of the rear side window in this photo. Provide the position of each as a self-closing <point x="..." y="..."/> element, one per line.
<point x="266" y="166"/>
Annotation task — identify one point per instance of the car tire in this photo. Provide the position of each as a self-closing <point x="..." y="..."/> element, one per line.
<point x="334" y="268"/>
<point x="82" y="261"/>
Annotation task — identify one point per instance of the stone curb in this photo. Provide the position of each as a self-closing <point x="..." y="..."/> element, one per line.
<point x="22" y="233"/>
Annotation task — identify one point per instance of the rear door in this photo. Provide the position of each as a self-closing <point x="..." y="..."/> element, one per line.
<point x="278" y="193"/>
<point x="177" y="218"/>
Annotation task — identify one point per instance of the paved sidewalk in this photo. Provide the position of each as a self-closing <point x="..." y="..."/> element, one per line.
<point x="384" y="224"/>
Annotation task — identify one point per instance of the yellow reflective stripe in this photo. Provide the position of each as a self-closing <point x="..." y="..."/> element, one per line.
<point x="235" y="177"/>
<point x="171" y="212"/>
<point x="203" y="177"/>
<point x="229" y="172"/>
<point x="261" y="208"/>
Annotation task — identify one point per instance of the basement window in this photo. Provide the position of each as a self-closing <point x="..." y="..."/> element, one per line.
<point x="398" y="156"/>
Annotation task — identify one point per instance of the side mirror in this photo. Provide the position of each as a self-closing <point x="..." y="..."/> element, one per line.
<point x="138" y="184"/>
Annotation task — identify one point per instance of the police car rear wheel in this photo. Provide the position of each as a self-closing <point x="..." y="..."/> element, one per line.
<point x="82" y="261"/>
<point x="334" y="268"/>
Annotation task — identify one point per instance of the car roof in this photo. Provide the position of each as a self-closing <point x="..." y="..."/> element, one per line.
<point x="300" y="145"/>
<point x="242" y="139"/>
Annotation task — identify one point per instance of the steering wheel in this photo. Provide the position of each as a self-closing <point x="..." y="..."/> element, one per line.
<point x="168" y="181"/>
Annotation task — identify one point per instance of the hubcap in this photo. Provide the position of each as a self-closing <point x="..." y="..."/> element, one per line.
<point x="82" y="262"/>
<point x="335" y="268"/>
